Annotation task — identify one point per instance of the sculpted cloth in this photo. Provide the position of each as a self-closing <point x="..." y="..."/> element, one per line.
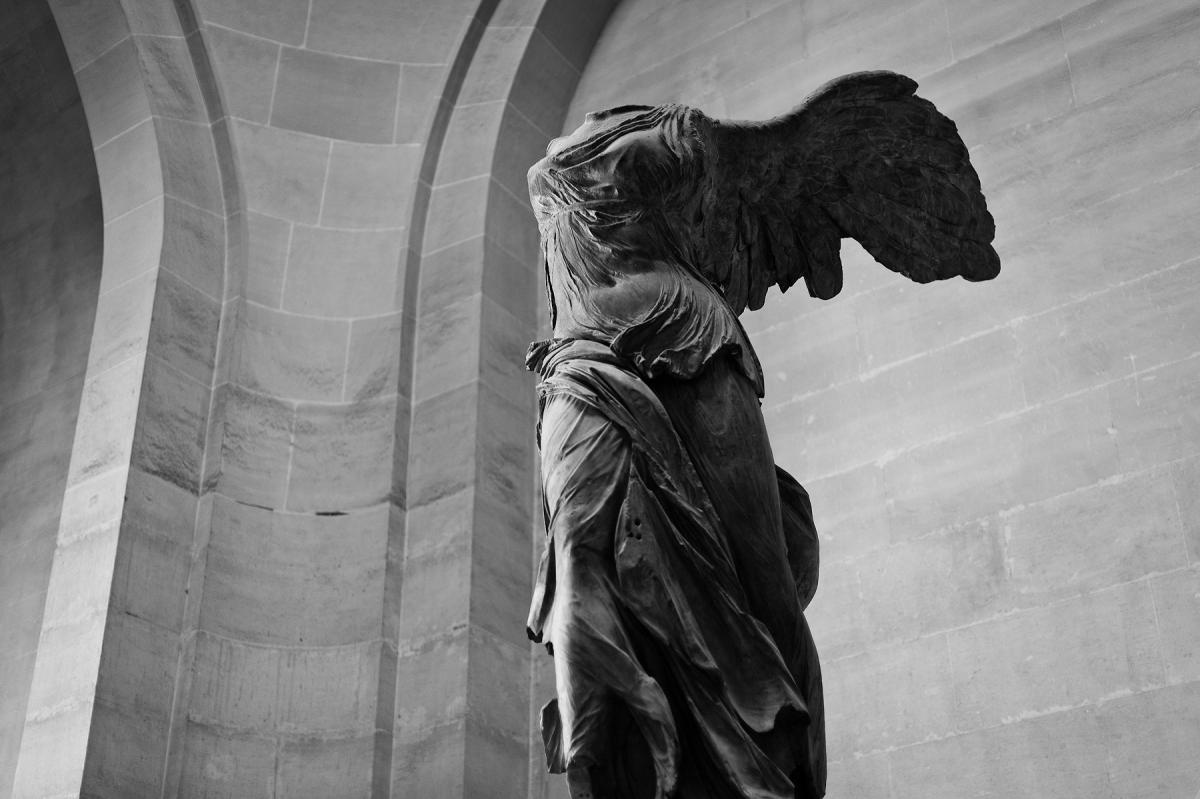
<point x="679" y="558"/>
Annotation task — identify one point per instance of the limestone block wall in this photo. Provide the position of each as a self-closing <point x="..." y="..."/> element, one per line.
<point x="1003" y="474"/>
<point x="50" y="254"/>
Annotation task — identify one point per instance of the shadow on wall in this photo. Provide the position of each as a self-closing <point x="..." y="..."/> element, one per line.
<point x="50" y="253"/>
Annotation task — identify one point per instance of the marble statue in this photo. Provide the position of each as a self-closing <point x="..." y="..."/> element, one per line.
<point x="679" y="559"/>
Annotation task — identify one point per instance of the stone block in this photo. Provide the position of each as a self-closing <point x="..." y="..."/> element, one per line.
<point x="501" y="578"/>
<point x="158" y="527"/>
<point x="172" y="425"/>
<point x="283" y="172"/>
<point x="1118" y="43"/>
<point x="293" y="356"/>
<point x="850" y="511"/>
<point x="439" y="30"/>
<point x="1151" y="737"/>
<point x="330" y="690"/>
<point x="511" y="225"/>
<point x="498" y="684"/>
<point x="169" y="75"/>
<point x="806" y="354"/>
<point x="53" y="747"/>
<point x="1177" y="603"/>
<point x="227" y="763"/>
<point x="1127" y="530"/>
<point x="442" y="524"/>
<point x="88" y="30"/>
<point x="267" y="243"/>
<point x="506" y="449"/>
<point x="461" y="270"/>
<point x="1154" y="414"/>
<point x="343" y="272"/>
<point x="975" y="25"/>
<point x="133" y="245"/>
<point x="370" y="186"/>
<point x="122" y="326"/>
<point x="68" y="659"/>
<point x="317" y="767"/>
<point x="373" y="362"/>
<point x="449" y="342"/>
<point x="431" y="763"/>
<point x="1186" y="476"/>
<point x="861" y="716"/>
<point x="280" y="20"/>
<point x="104" y="429"/>
<point x="1037" y="169"/>
<point x="246" y="66"/>
<point x="184" y="327"/>
<point x="342" y="98"/>
<point x="234" y="685"/>
<point x="954" y="389"/>
<point x="442" y="447"/>
<point x="431" y="683"/>
<point x="456" y="213"/>
<point x="130" y="171"/>
<point x="367" y="29"/>
<point x="193" y="246"/>
<point x="936" y="582"/>
<point x="435" y="596"/>
<point x="126" y="753"/>
<point x="255" y="447"/>
<point x="342" y="455"/>
<point x="495" y="764"/>
<point x="860" y="776"/>
<point x="1062" y="446"/>
<point x="1013" y="83"/>
<point x="137" y="668"/>
<point x="113" y="92"/>
<point x="571" y="29"/>
<point x="294" y="579"/>
<point x="837" y="615"/>
<point x="469" y="149"/>
<point x="1057" y="756"/>
<point x="1054" y="657"/>
<point x="420" y="87"/>
<point x="190" y="165"/>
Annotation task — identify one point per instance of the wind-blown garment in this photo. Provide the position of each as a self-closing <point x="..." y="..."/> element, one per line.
<point x="672" y="585"/>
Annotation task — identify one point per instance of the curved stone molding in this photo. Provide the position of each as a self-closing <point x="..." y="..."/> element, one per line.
<point x="146" y="425"/>
<point x="469" y="482"/>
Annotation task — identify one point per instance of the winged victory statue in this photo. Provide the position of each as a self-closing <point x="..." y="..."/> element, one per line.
<point x="679" y="558"/>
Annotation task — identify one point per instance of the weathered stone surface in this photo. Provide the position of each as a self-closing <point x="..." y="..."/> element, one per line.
<point x="246" y="65"/>
<point x="292" y="356"/>
<point x="342" y="98"/>
<point x="1059" y="656"/>
<point x="341" y="455"/>
<point x="255" y="447"/>
<point x="369" y="186"/>
<point x="343" y="272"/>
<point x="283" y="172"/>
<point x="265" y="566"/>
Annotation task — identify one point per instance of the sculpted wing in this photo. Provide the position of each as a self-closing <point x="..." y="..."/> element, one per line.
<point x="862" y="158"/>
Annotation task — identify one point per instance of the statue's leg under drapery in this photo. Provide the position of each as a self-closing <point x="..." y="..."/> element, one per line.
<point x="601" y="684"/>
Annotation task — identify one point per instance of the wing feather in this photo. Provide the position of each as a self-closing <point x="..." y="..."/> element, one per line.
<point x="862" y="158"/>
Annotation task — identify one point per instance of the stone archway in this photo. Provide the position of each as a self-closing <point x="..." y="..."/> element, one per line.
<point x="120" y="571"/>
<point x="472" y="468"/>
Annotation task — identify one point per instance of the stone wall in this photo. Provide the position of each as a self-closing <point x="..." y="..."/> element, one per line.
<point x="1003" y="473"/>
<point x="50" y="252"/>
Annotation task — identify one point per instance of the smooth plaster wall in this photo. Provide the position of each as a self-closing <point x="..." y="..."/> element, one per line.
<point x="50" y="253"/>
<point x="1004" y="474"/>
